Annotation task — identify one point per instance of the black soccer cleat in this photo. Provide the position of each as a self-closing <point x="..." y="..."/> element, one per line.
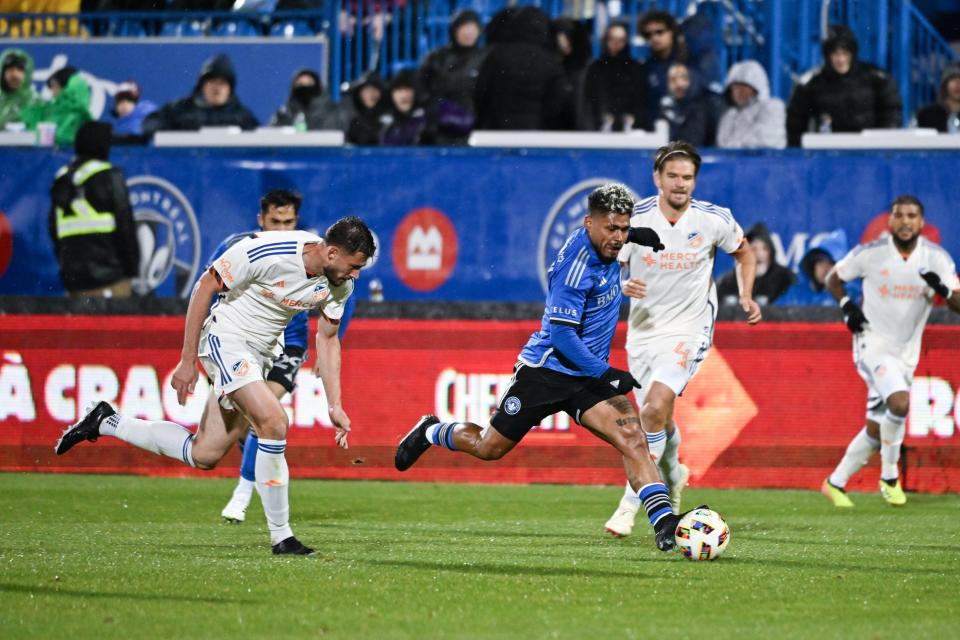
<point x="414" y="443"/>
<point x="292" y="547"/>
<point x="87" y="429"/>
<point x="666" y="537"/>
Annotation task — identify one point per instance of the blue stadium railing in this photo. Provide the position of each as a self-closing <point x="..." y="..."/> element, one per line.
<point x="389" y="35"/>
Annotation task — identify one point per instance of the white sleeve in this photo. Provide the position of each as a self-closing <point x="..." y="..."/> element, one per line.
<point x="947" y="270"/>
<point x="853" y="265"/>
<point x="234" y="266"/>
<point x="729" y="235"/>
<point x="335" y="304"/>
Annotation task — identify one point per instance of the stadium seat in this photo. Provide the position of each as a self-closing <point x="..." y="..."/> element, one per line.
<point x="292" y="29"/>
<point x="235" y="29"/>
<point x="184" y="29"/>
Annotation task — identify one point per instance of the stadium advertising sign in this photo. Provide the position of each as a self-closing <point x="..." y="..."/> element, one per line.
<point x="772" y="406"/>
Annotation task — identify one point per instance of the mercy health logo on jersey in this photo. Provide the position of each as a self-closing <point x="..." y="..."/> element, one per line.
<point x="169" y="237"/>
<point x="565" y="217"/>
<point x="425" y="249"/>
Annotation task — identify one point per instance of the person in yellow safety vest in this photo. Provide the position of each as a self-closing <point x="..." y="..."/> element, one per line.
<point x="91" y="222"/>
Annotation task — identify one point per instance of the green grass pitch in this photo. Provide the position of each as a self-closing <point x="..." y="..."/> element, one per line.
<point x="126" y="557"/>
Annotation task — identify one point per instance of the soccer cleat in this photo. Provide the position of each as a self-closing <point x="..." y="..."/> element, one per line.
<point x="292" y="547"/>
<point x="620" y="523"/>
<point x="836" y="495"/>
<point x="235" y="512"/>
<point x="676" y="488"/>
<point x="893" y="493"/>
<point x="666" y="537"/>
<point x="87" y="429"/>
<point x="414" y="443"/>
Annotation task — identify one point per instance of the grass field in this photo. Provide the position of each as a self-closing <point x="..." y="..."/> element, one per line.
<point x="123" y="557"/>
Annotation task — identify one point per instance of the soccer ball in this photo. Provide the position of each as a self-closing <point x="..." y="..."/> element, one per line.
<point x="702" y="534"/>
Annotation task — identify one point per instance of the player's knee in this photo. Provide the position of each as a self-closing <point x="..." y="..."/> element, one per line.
<point x="488" y="451"/>
<point x="274" y="427"/>
<point x="654" y="416"/>
<point x="899" y="404"/>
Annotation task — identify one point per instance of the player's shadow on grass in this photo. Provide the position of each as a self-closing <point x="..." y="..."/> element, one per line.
<point x="45" y="590"/>
<point x="833" y="543"/>
<point x="832" y="567"/>
<point x="507" y="569"/>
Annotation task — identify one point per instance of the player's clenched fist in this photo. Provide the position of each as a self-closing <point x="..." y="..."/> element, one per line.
<point x="645" y="238"/>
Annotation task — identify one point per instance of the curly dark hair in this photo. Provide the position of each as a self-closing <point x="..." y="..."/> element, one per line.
<point x="612" y="197"/>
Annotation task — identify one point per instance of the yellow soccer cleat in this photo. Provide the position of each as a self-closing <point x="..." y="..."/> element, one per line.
<point x="893" y="494"/>
<point x="836" y="495"/>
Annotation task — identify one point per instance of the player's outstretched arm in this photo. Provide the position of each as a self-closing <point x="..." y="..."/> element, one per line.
<point x="746" y="270"/>
<point x="327" y="368"/>
<point x="184" y="379"/>
<point x="952" y="297"/>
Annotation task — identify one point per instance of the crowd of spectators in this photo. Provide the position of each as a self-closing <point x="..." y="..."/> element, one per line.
<point x="521" y="71"/>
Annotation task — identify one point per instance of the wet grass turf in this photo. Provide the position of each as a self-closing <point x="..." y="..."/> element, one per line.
<point x="113" y="556"/>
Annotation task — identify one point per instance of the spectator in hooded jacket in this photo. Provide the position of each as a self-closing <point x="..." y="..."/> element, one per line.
<point x="773" y="279"/>
<point x="213" y="103"/>
<point x="944" y="114"/>
<point x="810" y="288"/>
<point x="448" y="79"/>
<point x="690" y="110"/>
<point x="128" y="113"/>
<point x="307" y="103"/>
<point x="754" y="120"/>
<point x="16" y="85"/>
<point x="844" y="95"/>
<point x="363" y="109"/>
<point x="522" y="85"/>
<point x="572" y="41"/>
<point x="69" y="108"/>
<point x="666" y="43"/>
<point x="403" y="120"/>
<point x="612" y="93"/>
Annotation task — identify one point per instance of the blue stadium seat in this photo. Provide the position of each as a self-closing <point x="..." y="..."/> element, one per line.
<point x="292" y="29"/>
<point x="235" y="29"/>
<point x="185" y="29"/>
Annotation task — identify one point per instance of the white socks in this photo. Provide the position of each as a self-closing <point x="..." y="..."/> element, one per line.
<point x="670" y="462"/>
<point x="657" y="442"/>
<point x="160" y="437"/>
<point x="859" y="451"/>
<point x="273" y="481"/>
<point x="892" y="430"/>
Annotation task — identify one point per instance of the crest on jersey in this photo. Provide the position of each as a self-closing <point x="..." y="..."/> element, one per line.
<point x="512" y="405"/>
<point x="694" y="239"/>
<point x="565" y="216"/>
<point x="168" y="235"/>
<point x="241" y="367"/>
<point x="320" y="292"/>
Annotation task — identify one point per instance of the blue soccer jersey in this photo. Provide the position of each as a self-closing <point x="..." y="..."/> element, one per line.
<point x="583" y="293"/>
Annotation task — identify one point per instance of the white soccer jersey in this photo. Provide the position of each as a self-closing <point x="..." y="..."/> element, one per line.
<point x="896" y="300"/>
<point x="267" y="285"/>
<point x="681" y="297"/>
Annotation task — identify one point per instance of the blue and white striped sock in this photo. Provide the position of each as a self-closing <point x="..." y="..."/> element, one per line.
<point x="273" y="479"/>
<point x="656" y="501"/>
<point x="442" y="434"/>
<point x="656" y="443"/>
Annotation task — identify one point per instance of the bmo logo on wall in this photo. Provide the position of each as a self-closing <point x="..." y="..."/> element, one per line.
<point x="425" y="249"/>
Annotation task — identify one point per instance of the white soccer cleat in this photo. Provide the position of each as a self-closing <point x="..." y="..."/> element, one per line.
<point x="236" y="509"/>
<point x="676" y="488"/>
<point x="620" y="523"/>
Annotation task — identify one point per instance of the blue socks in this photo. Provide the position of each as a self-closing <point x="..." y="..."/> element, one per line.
<point x="656" y="501"/>
<point x="249" y="461"/>
<point x="442" y="434"/>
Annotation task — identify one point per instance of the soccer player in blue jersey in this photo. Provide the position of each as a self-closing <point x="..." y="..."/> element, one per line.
<point x="563" y="366"/>
<point x="279" y="211"/>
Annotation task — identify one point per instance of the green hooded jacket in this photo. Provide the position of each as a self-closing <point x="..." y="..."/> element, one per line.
<point x="68" y="110"/>
<point x="12" y="103"/>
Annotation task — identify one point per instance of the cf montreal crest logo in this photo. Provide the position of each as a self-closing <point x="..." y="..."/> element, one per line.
<point x="512" y="405"/>
<point x="168" y="235"/>
<point x="565" y="217"/>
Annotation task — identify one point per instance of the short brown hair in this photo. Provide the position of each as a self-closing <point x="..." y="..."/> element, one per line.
<point x="682" y="150"/>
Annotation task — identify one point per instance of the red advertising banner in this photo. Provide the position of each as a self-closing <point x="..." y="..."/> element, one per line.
<point x="772" y="406"/>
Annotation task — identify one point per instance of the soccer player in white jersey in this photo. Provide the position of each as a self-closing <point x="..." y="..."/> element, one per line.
<point x="673" y="306"/>
<point x="268" y="279"/>
<point x="901" y="273"/>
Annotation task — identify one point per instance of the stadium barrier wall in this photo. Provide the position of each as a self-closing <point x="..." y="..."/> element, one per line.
<point x="456" y="224"/>
<point x="773" y="406"/>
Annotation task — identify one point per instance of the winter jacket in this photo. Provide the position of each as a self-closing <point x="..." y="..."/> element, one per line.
<point x="131" y="125"/>
<point x="653" y="80"/>
<point x="68" y="110"/>
<point x="866" y="97"/>
<point x="759" y="124"/>
<point x="807" y="291"/>
<point x="363" y="123"/>
<point x="936" y="115"/>
<point x="12" y="103"/>
<point x="317" y="109"/>
<point x="693" y="117"/>
<point x="91" y="260"/>
<point x="522" y="85"/>
<point x="193" y="112"/>
<point x="612" y="88"/>
<point x="448" y="79"/>
<point x="766" y="288"/>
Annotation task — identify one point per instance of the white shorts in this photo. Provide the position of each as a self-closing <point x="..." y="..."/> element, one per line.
<point x="885" y="373"/>
<point x="672" y="361"/>
<point x="230" y="363"/>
